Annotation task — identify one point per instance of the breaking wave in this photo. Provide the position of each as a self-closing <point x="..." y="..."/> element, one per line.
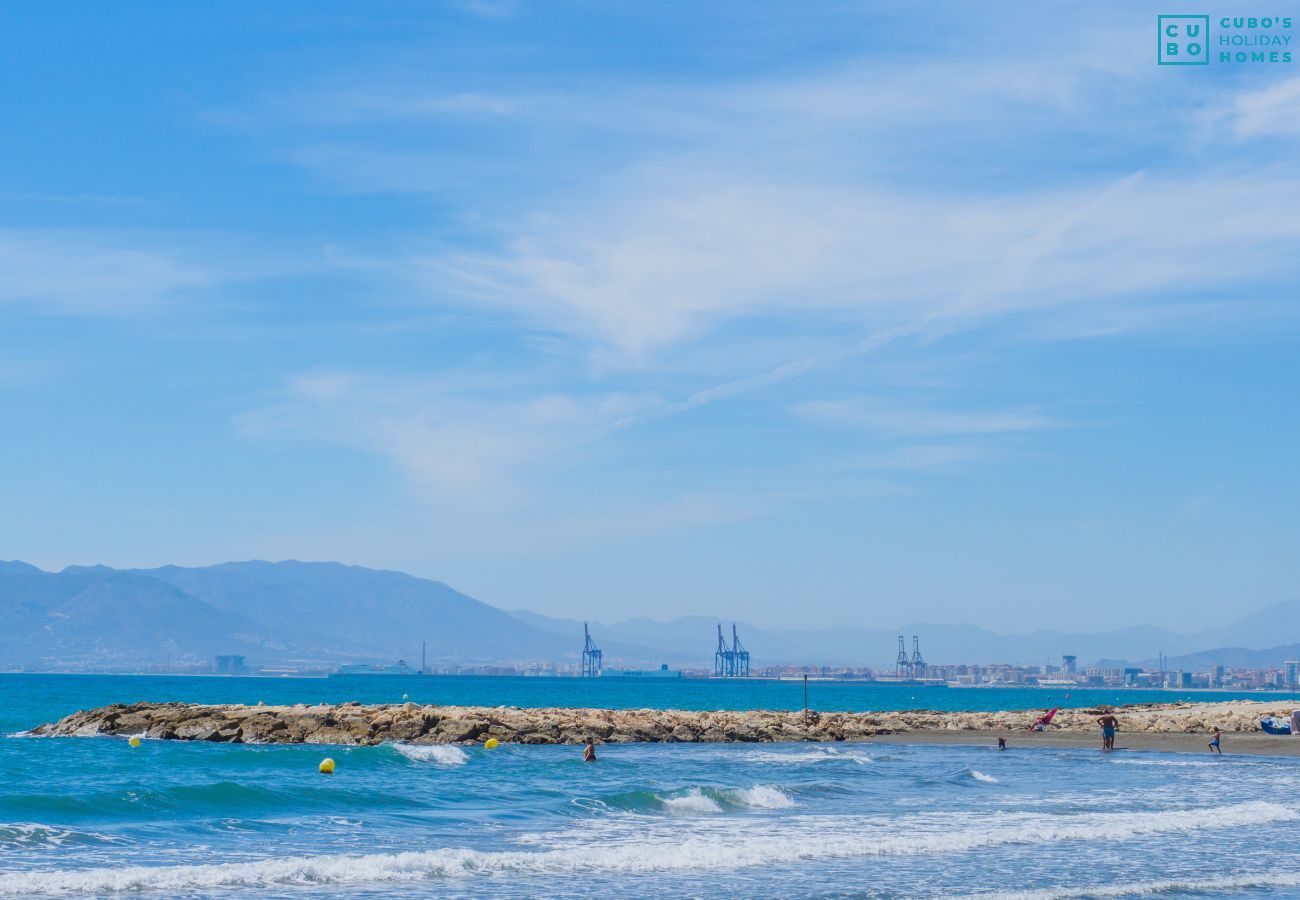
<point x="692" y="803"/>
<point x="1169" y="886"/>
<point x="16" y="835"/>
<point x="442" y="754"/>
<point x="695" y="801"/>
<point x="812" y="755"/>
<point x="799" y="839"/>
<point x="762" y="796"/>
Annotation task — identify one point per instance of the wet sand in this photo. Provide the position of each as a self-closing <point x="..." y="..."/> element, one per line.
<point x="1249" y="744"/>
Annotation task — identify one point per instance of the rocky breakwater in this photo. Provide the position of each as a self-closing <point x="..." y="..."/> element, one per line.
<point x="352" y="723"/>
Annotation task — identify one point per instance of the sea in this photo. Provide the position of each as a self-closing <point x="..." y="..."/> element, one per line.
<point x="96" y="817"/>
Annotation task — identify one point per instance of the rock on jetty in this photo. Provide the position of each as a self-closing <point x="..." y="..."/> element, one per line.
<point x="352" y="723"/>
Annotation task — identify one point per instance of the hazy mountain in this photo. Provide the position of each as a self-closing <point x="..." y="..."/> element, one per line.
<point x="330" y="613"/>
<point x="99" y="616"/>
<point x="350" y="611"/>
<point x="1269" y="627"/>
<point x="1269" y="657"/>
<point x="269" y="612"/>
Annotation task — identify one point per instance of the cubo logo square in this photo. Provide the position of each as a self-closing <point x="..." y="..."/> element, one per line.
<point x="1183" y="40"/>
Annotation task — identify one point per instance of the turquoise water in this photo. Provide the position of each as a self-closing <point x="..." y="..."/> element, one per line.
<point x="93" y="816"/>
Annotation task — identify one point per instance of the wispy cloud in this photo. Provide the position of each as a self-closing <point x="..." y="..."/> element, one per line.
<point x="876" y="416"/>
<point x="824" y="192"/>
<point x="92" y="272"/>
<point x="666" y="264"/>
<point x="1273" y="111"/>
<point x="629" y="223"/>
<point x="453" y="437"/>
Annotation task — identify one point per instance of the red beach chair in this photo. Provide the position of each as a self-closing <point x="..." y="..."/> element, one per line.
<point x="1041" y="723"/>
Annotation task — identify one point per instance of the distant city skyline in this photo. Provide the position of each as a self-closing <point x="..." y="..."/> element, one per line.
<point x="804" y="317"/>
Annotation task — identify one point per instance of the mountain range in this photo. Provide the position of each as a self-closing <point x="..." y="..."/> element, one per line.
<point x="327" y="613"/>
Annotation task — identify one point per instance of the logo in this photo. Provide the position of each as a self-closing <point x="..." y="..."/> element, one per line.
<point x="1183" y="40"/>
<point x="1186" y="40"/>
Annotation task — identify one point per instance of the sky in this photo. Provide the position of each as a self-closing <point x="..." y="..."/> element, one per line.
<point x="805" y="314"/>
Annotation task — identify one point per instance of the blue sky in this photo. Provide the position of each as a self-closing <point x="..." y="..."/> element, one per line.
<point x="819" y="314"/>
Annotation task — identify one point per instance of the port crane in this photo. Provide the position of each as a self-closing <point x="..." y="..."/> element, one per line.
<point x="730" y="660"/>
<point x="592" y="658"/>
<point x="918" y="661"/>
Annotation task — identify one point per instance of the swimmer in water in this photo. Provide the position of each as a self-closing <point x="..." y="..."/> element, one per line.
<point x="1108" y="724"/>
<point x="589" y="751"/>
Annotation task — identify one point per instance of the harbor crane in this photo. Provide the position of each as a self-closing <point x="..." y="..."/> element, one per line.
<point x="592" y="658"/>
<point x="724" y="661"/>
<point x="730" y="660"/>
<point x="918" y="661"/>
<point x="740" y="654"/>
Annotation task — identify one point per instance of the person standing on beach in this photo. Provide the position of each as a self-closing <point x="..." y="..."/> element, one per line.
<point x="1108" y="724"/>
<point x="1214" y="744"/>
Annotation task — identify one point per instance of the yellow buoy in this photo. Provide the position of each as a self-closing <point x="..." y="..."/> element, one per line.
<point x="491" y="744"/>
<point x="327" y="766"/>
<point x="134" y="741"/>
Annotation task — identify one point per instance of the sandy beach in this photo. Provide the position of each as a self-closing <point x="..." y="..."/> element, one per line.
<point x="1238" y="743"/>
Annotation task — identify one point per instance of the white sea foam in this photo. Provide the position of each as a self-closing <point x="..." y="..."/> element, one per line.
<point x="34" y="834"/>
<point x="1170" y="886"/>
<point x="692" y="803"/>
<point x="1167" y="763"/>
<point x="710" y="848"/>
<point x="812" y="755"/>
<point x="761" y="796"/>
<point x="442" y="754"/>
<point x="981" y="776"/>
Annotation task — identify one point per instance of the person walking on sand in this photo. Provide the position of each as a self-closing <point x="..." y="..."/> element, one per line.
<point x="1108" y="724"/>
<point x="1214" y="743"/>
<point x="589" y="751"/>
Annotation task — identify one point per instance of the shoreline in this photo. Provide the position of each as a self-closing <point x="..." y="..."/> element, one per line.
<point x="1234" y="744"/>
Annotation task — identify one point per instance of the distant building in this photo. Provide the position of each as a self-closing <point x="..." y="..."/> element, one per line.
<point x="230" y="665"/>
<point x="1292" y="669"/>
<point x="662" y="672"/>
<point x="398" y="668"/>
<point x="1069" y="663"/>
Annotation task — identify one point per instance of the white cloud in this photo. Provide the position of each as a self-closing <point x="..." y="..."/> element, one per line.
<point x="665" y="262"/>
<point x="93" y="272"/>
<point x="876" y="416"/>
<point x="449" y="436"/>
<point x="839" y="193"/>
<point x="1273" y="111"/>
